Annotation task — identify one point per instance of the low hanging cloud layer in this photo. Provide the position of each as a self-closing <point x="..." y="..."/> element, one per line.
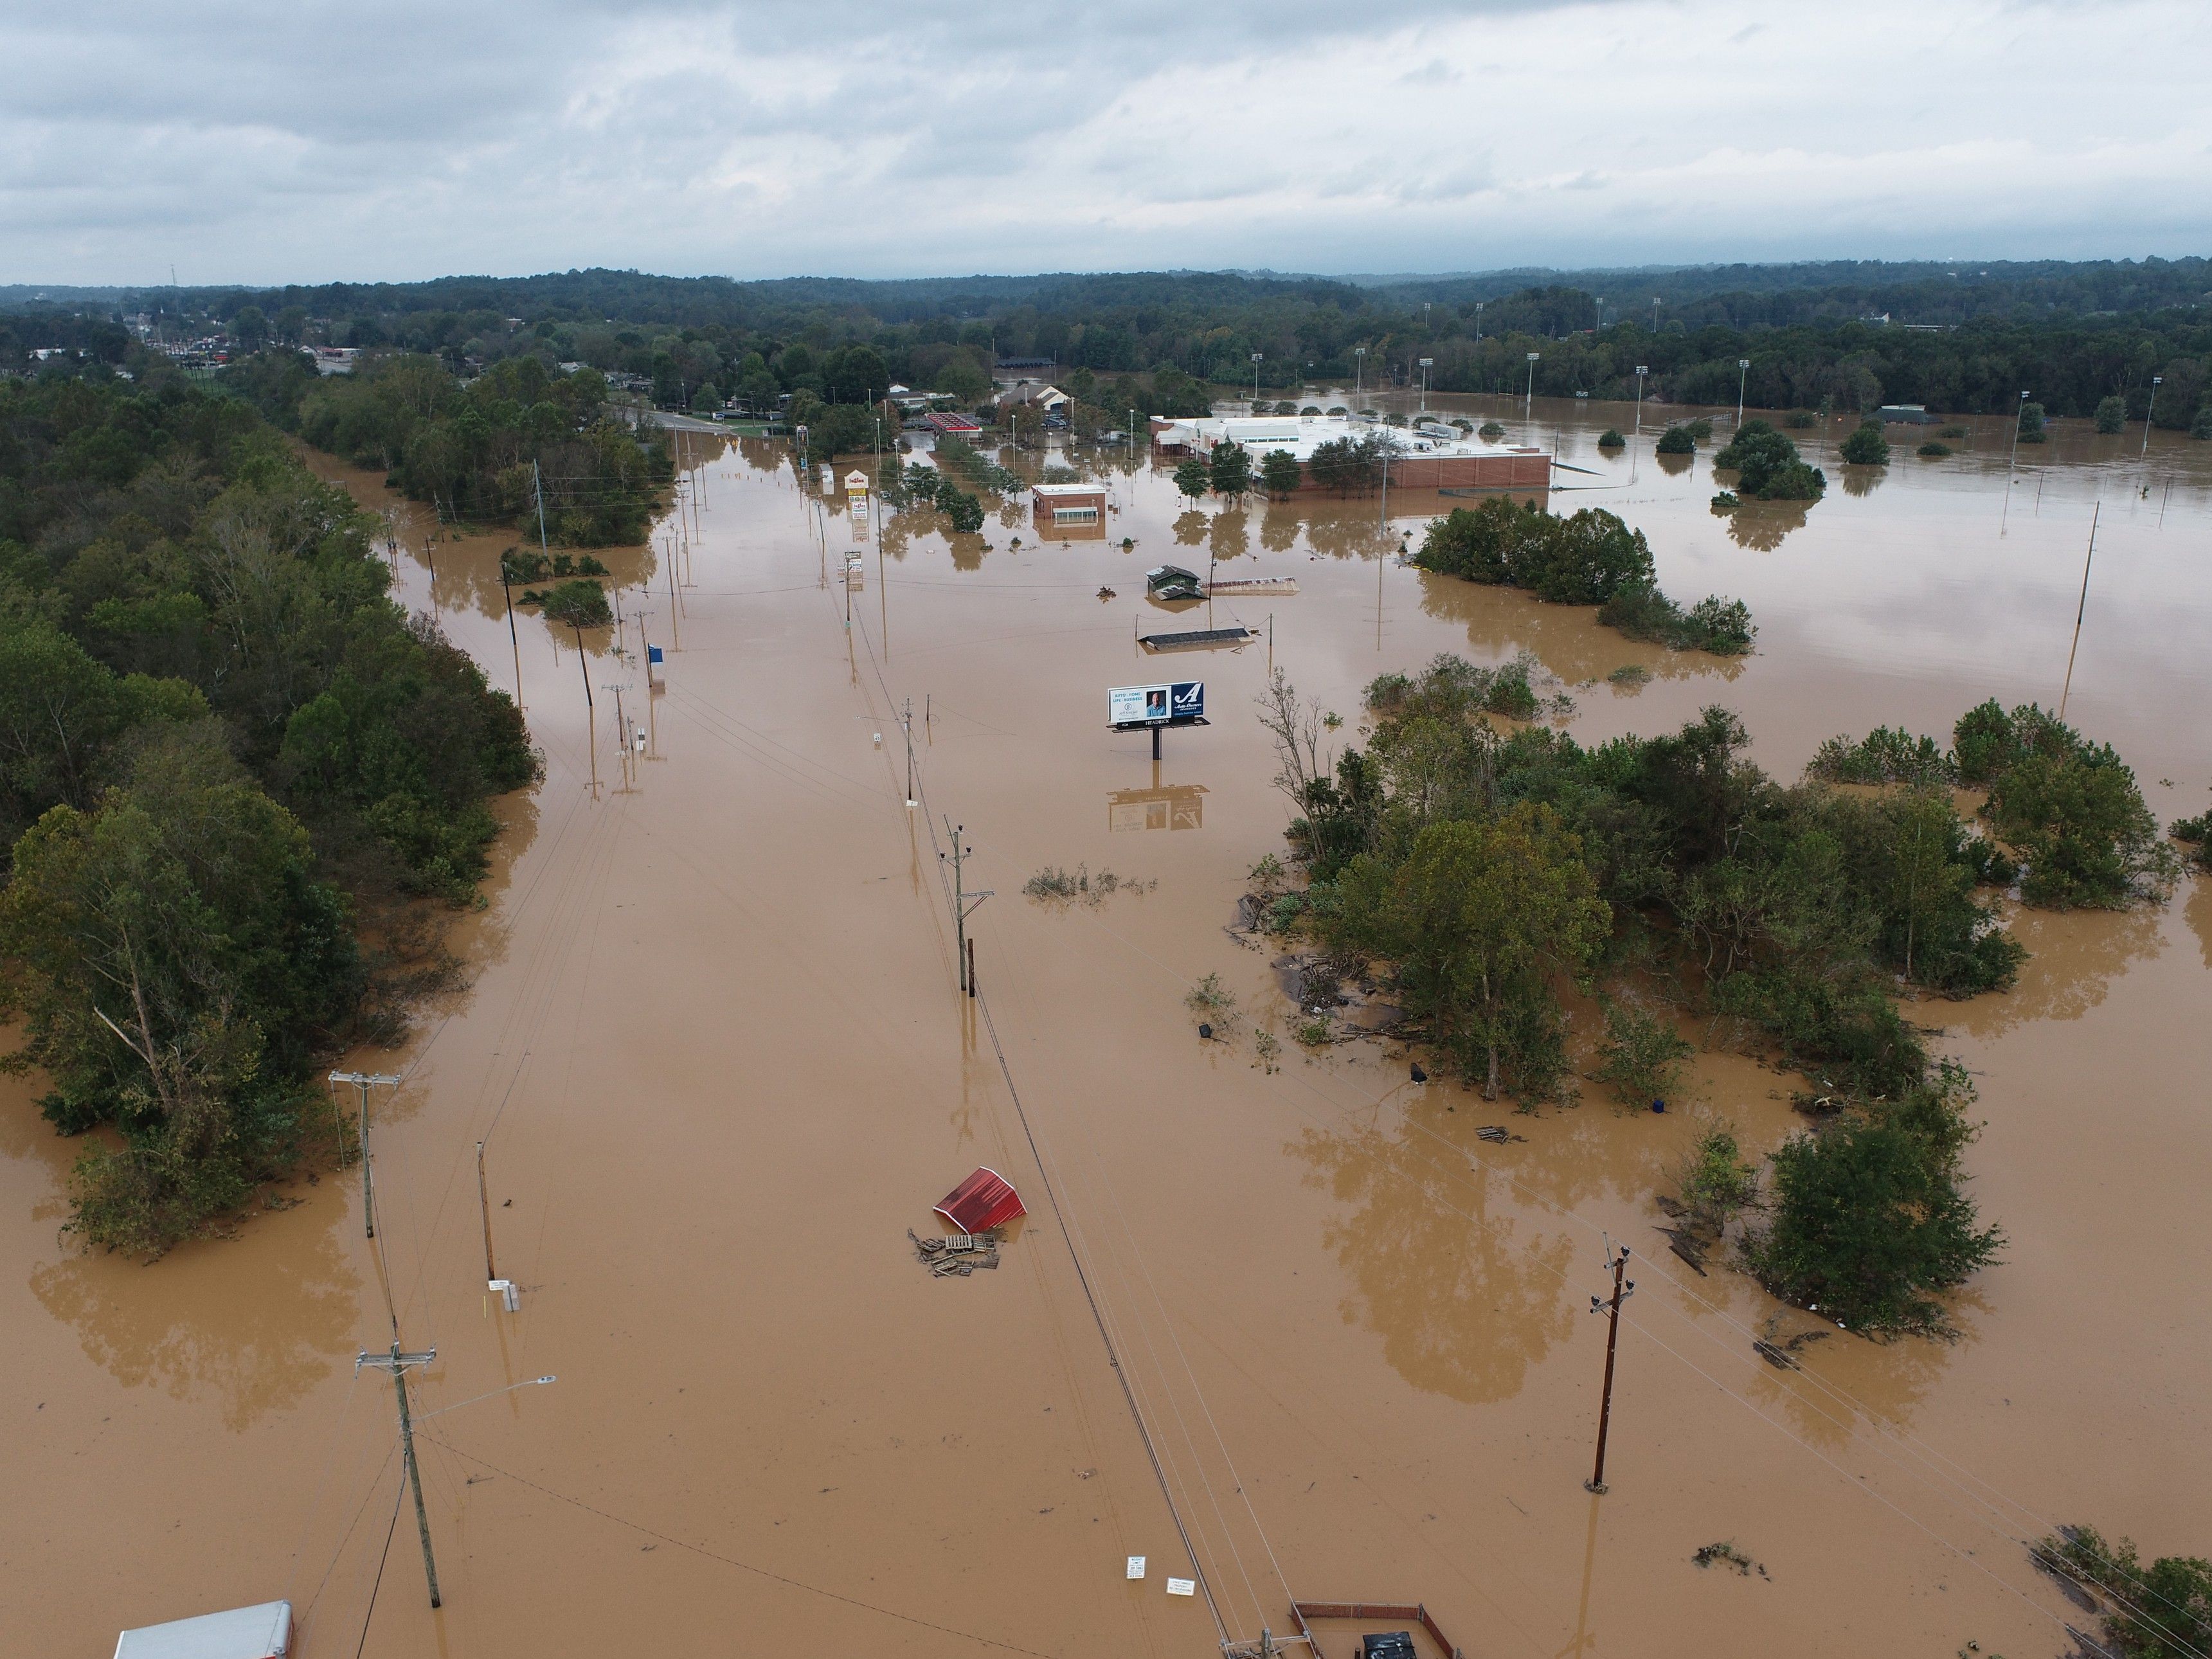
<point x="258" y="142"/>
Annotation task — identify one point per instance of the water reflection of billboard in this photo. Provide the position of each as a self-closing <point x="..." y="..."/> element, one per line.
<point x="1173" y="807"/>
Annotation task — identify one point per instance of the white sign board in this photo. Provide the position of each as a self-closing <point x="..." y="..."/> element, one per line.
<point x="1182" y="1587"/>
<point x="1136" y="1566"/>
<point x="1155" y="705"/>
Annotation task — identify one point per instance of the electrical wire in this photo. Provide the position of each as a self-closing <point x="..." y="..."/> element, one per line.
<point x="732" y="1561"/>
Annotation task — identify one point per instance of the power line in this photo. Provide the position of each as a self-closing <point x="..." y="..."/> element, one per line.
<point x="732" y="1561"/>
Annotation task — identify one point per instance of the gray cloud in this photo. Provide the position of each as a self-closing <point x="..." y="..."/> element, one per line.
<point x="249" y="141"/>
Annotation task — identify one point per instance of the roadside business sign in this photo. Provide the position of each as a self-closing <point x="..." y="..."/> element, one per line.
<point x="1182" y="702"/>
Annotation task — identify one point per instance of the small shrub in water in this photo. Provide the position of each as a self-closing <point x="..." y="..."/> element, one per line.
<point x="1933" y="450"/>
<point x="1642" y="1055"/>
<point x="1611" y="438"/>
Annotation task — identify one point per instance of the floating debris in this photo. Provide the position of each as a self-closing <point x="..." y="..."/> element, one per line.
<point x="957" y="1255"/>
<point x="1729" y="1555"/>
<point x="1497" y="1134"/>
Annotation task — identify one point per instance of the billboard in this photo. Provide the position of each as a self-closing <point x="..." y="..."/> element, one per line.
<point x="1181" y="703"/>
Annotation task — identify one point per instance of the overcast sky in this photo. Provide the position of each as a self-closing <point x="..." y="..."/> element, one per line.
<point x="267" y="141"/>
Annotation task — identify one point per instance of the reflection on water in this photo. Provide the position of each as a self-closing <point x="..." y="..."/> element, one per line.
<point x="1163" y="807"/>
<point x="2198" y="910"/>
<point x="1863" y="480"/>
<point x="1464" y="1304"/>
<point x="256" y="1323"/>
<point x="1279" y="529"/>
<point x="2073" y="958"/>
<point x="1501" y="621"/>
<point x="1761" y="526"/>
<point x="1226" y="536"/>
<point x="1190" y="528"/>
<point x="1676" y="465"/>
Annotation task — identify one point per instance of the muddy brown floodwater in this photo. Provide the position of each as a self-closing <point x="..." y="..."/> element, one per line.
<point x="717" y="1051"/>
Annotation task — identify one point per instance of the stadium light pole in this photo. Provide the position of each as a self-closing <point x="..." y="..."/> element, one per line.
<point x="1528" y="405"/>
<point x="1426" y="364"/>
<point x="1641" y="369"/>
<point x="1601" y="314"/>
<point x="1743" y="379"/>
<point x="1255" y="379"/>
<point x="1478" y="319"/>
<point x="1358" y="369"/>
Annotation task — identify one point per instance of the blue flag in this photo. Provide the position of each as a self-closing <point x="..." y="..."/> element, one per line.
<point x="653" y="653"/>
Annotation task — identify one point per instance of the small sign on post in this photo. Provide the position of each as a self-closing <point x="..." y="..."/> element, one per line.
<point x="1136" y="1566"/>
<point x="1182" y="1587"/>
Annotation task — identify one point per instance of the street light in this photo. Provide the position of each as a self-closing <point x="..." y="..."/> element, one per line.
<point x="1641" y="369"/>
<point x="2156" y="381"/>
<point x="1478" y="319"/>
<point x="1358" y="369"/>
<point x="1528" y="408"/>
<point x="1601" y="314"/>
<point x="1255" y="379"/>
<point x="1426" y="362"/>
<point x="1743" y="377"/>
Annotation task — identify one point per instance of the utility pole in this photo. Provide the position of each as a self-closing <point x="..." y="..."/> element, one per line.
<point x="537" y="488"/>
<point x="1528" y="406"/>
<point x="961" y="908"/>
<point x="398" y="1363"/>
<point x="513" y="638"/>
<point x="1743" y="380"/>
<point x="1426" y="362"/>
<point x="483" y="1203"/>
<point x="2080" y="611"/>
<point x="2156" y="381"/>
<point x="1641" y="369"/>
<point x="1359" y="369"/>
<point x="906" y="720"/>
<point x="363" y="1080"/>
<point x="1621" y="1292"/>
<point x="2014" y="459"/>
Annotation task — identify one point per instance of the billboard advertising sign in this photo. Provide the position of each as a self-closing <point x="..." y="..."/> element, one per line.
<point x="1182" y="703"/>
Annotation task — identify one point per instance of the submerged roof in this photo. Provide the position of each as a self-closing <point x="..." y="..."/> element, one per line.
<point x="261" y="1633"/>
<point x="982" y="1202"/>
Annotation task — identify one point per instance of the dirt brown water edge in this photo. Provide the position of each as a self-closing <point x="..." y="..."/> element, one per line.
<point x="716" y="1049"/>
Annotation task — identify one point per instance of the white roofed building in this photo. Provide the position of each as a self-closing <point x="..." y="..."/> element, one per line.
<point x="1434" y="457"/>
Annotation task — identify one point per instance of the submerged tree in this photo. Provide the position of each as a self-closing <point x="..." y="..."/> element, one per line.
<point x="1474" y="922"/>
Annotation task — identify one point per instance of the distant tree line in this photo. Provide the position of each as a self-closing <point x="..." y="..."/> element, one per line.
<point x="232" y="774"/>
<point x="2073" y="334"/>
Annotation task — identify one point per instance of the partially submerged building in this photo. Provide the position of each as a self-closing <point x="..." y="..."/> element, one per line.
<point x="1433" y="458"/>
<point x="1070" y="508"/>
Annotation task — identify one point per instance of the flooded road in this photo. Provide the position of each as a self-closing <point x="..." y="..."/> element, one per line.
<point x="717" y="1052"/>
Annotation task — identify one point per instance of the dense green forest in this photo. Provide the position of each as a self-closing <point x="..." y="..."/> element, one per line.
<point x="516" y="443"/>
<point x="233" y="774"/>
<point x="1479" y="868"/>
<point x="1849" y="335"/>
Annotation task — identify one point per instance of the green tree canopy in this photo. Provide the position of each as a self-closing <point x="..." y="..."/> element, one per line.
<point x="1473" y="921"/>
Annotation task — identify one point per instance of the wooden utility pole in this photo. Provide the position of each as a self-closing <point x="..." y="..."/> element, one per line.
<point x="514" y="638"/>
<point x="363" y="1080"/>
<point x="1621" y="1291"/>
<point x="396" y="1362"/>
<point x="483" y="1203"/>
<point x="961" y="908"/>
<point x="2080" y="611"/>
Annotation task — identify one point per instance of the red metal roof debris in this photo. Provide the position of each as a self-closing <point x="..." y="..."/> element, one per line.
<point x="982" y="1202"/>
